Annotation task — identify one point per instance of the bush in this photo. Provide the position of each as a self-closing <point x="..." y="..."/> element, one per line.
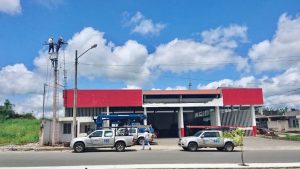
<point x="236" y="135"/>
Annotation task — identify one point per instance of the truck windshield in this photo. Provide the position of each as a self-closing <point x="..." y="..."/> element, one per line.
<point x="198" y="134"/>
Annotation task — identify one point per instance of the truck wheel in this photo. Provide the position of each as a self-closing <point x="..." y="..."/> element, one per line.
<point x="192" y="146"/>
<point x="228" y="147"/>
<point x="140" y="140"/>
<point x="79" y="147"/>
<point x="120" y="146"/>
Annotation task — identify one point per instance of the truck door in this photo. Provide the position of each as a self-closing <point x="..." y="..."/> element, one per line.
<point x="108" y="139"/>
<point x="212" y="139"/>
<point x="96" y="138"/>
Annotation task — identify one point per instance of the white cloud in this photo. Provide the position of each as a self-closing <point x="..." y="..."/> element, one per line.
<point x="225" y="37"/>
<point x="24" y="88"/>
<point x="215" y="50"/>
<point x="279" y="91"/>
<point x="34" y="104"/>
<point x="133" y="64"/>
<point x="243" y="82"/>
<point x="17" y="79"/>
<point x="280" y="84"/>
<point x="122" y="63"/>
<point x="177" y="88"/>
<point x="11" y="7"/>
<point x="280" y="101"/>
<point x="282" y="51"/>
<point x="188" y="55"/>
<point x="132" y="87"/>
<point x="142" y="25"/>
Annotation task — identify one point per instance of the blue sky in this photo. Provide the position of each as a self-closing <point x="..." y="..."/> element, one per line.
<point x="152" y="45"/>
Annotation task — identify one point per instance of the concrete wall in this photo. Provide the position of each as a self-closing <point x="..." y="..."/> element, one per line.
<point x="279" y="125"/>
<point x="46" y="133"/>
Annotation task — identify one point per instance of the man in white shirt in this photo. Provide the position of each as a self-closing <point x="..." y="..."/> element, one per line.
<point x="146" y="139"/>
<point x="51" y="45"/>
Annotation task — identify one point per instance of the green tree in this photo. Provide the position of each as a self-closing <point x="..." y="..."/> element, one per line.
<point x="6" y="111"/>
<point x="237" y="136"/>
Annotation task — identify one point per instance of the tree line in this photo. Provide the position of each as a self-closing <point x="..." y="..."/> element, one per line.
<point x="7" y="112"/>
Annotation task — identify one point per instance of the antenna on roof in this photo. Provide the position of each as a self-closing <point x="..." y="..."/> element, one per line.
<point x="190" y="85"/>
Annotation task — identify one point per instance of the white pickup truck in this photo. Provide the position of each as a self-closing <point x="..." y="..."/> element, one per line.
<point x="105" y="138"/>
<point x="207" y="139"/>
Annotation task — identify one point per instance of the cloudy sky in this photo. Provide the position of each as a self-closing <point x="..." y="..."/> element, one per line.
<point x="151" y="44"/>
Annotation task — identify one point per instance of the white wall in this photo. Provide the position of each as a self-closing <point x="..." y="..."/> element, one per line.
<point x="278" y="125"/>
<point x="47" y="132"/>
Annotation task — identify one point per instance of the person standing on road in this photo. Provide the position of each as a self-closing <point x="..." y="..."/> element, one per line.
<point x="146" y="139"/>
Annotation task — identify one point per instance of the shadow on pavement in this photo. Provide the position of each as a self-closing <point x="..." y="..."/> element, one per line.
<point x="95" y="150"/>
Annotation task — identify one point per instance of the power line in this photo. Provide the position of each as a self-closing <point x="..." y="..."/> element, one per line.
<point x="191" y="64"/>
<point x="172" y="77"/>
<point x="289" y="91"/>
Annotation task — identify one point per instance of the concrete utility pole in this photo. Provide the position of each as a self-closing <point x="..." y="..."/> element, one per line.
<point x="54" y="60"/>
<point x="54" y="107"/>
<point x="74" y="131"/>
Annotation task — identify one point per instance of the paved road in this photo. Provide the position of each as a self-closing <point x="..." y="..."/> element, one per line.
<point x="109" y="157"/>
<point x="257" y="150"/>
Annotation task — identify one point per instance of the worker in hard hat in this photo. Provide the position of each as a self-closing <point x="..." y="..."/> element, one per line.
<point x="60" y="42"/>
<point x="51" y="44"/>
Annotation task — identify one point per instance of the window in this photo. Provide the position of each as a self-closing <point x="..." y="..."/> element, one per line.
<point x="87" y="128"/>
<point x="67" y="128"/>
<point x="108" y="134"/>
<point x="96" y="134"/>
<point x="211" y="134"/>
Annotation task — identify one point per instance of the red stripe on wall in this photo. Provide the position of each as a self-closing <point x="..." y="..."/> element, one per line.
<point x="104" y="98"/>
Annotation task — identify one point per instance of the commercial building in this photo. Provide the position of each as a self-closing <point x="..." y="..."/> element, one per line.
<point x="168" y="111"/>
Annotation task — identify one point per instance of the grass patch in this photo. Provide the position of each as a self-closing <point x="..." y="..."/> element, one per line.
<point x="19" y="131"/>
<point x="293" y="136"/>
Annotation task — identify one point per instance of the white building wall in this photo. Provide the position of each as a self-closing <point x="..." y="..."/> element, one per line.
<point x="80" y="131"/>
<point x="47" y="134"/>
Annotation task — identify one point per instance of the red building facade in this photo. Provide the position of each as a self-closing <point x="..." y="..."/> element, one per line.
<point x="169" y="111"/>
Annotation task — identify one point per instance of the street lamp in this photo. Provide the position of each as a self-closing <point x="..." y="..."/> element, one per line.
<point x="74" y="133"/>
